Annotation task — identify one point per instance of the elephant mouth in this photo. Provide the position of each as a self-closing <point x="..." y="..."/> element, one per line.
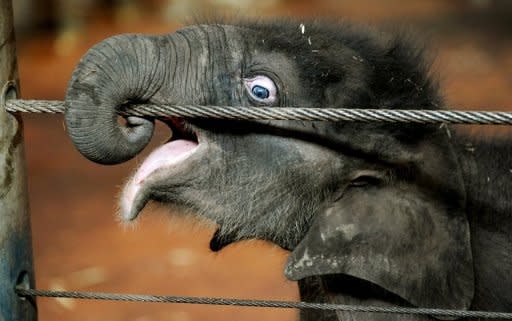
<point x="183" y="143"/>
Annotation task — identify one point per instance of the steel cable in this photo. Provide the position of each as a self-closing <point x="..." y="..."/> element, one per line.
<point x="267" y="113"/>
<point x="283" y="113"/>
<point x="261" y="303"/>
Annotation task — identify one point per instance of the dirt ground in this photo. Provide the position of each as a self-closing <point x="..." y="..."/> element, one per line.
<point x="80" y="245"/>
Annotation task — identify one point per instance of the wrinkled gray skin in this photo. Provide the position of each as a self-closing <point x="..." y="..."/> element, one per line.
<point x="391" y="215"/>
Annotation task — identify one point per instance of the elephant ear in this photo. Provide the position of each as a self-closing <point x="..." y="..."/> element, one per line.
<point x="410" y="236"/>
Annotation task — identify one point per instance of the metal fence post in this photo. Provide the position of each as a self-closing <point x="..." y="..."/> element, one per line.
<point x="16" y="266"/>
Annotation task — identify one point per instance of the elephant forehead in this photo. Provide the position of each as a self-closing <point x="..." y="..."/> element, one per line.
<point x="216" y="41"/>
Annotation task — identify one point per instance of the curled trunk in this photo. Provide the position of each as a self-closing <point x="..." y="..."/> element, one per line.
<point x="119" y="70"/>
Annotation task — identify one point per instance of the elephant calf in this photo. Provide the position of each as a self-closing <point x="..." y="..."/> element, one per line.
<point x="391" y="215"/>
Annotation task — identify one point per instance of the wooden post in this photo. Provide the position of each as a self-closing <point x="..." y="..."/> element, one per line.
<point x="16" y="266"/>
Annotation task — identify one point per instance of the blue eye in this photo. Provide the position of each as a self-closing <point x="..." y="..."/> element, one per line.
<point x="260" y="92"/>
<point x="262" y="89"/>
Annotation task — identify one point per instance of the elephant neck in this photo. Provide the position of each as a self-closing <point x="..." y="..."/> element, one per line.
<point x="486" y="165"/>
<point x="313" y="289"/>
<point x="340" y="289"/>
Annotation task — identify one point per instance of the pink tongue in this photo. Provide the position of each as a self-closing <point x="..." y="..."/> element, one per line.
<point x="166" y="155"/>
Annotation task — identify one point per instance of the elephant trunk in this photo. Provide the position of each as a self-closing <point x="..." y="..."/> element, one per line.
<point x="119" y="70"/>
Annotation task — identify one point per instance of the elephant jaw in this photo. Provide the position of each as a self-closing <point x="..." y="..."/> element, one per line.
<point x="165" y="157"/>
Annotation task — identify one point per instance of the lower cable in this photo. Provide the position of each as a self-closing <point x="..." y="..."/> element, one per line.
<point x="260" y="303"/>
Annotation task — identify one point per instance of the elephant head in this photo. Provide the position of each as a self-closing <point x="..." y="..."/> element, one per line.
<point x="381" y="203"/>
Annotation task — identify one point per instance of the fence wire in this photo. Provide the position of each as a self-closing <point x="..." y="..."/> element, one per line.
<point x="262" y="304"/>
<point x="285" y="113"/>
<point x="280" y="113"/>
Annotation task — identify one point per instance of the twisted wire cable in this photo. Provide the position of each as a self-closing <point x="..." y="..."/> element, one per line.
<point x="285" y="113"/>
<point x="267" y="113"/>
<point x="262" y="303"/>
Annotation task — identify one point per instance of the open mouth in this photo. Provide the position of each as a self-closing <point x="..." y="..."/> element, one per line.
<point x="181" y="130"/>
<point x="182" y="144"/>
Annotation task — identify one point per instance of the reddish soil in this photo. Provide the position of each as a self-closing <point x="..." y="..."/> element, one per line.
<point x="80" y="245"/>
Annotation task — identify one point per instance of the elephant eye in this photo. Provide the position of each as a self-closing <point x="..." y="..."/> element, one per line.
<point x="261" y="89"/>
<point x="365" y="180"/>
